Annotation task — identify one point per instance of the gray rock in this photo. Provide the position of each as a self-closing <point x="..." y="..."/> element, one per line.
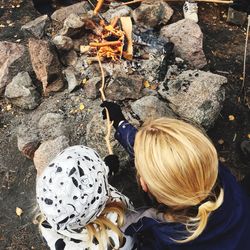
<point x="47" y="151"/>
<point x="79" y="9"/>
<point x="26" y="135"/>
<point x="91" y="87"/>
<point x="151" y="107"/>
<point x="95" y="138"/>
<point x="188" y="40"/>
<point x="63" y="42"/>
<point x="10" y="52"/>
<point x="152" y="13"/>
<point x="196" y="95"/>
<point x="46" y="65"/>
<point x="51" y="125"/>
<point x="37" y="26"/>
<point x="21" y="92"/>
<point x="71" y="78"/>
<point x="72" y="25"/>
<point x="123" y="87"/>
<point x="68" y="58"/>
<point x="117" y="12"/>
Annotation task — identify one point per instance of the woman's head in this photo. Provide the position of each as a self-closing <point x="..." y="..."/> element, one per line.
<point x="176" y="162"/>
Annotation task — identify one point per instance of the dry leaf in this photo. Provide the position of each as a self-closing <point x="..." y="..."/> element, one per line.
<point x="19" y="211"/>
<point x="231" y="117"/>
<point x="8" y="107"/>
<point x="221" y="141"/>
<point x="222" y="159"/>
<point x="146" y="84"/>
<point x="81" y="107"/>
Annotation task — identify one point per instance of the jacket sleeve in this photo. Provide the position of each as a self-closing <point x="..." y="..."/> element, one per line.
<point x="125" y="134"/>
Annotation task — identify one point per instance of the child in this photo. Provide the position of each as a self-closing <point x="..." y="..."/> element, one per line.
<point x="79" y="209"/>
<point x="196" y="203"/>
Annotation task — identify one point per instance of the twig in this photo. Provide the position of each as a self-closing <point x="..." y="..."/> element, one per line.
<point x="245" y="55"/>
<point x="112" y="43"/>
<point x="207" y="1"/>
<point x="98" y="6"/>
<point x="109" y="123"/>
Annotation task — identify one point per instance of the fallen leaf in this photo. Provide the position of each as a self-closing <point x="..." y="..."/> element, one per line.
<point x="19" y="211"/>
<point x="81" y="107"/>
<point x="221" y="141"/>
<point x="146" y="84"/>
<point x="84" y="81"/>
<point x="222" y="159"/>
<point x="8" y="107"/>
<point x="231" y="117"/>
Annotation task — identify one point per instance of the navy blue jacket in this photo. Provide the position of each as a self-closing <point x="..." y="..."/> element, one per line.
<point x="228" y="227"/>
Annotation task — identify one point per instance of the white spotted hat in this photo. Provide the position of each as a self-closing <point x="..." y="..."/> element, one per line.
<point x="73" y="190"/>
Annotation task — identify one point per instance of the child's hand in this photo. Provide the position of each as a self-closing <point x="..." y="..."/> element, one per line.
<point x="112" y="161"/>
<point x="115" y="113"/>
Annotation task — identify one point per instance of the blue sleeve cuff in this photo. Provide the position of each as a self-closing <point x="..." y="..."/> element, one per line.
<point x="125" y="134"/>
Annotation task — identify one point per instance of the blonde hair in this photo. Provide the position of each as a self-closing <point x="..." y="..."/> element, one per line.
<point x="98" y="228"/>
<point x="179" y="164"/>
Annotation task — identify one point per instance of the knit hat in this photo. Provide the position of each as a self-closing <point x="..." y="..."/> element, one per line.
<point x="73" y="190"/>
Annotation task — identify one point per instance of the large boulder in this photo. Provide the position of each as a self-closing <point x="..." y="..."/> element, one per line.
<point x="152" y="13"/>
<point x="188" y="40"/>
<point x="21" y="92"/>
<point x="10" y="52"/>
<point x="117" y="12"/>
<point x="123" y="86"/>
<point x="46" y="65"/>
<point x="79" y="9"/>
<point x="47" y="151"/>
<point x="36" y="27"/>
<point x="195" y="95"/>
<point x="95" y="138"/>
<point x="151" y="107"/>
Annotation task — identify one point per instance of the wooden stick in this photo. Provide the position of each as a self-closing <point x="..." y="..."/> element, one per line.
<point x="208" y="1"/>
<point x="245" y="54"/>
<point x="114" y="21"/>
<point x="98" y="6"/>
<point x="112" y="43"/>
<point x="109" y="123"/>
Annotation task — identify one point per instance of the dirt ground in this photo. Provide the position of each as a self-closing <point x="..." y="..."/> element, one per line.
<point x="224" y="47"/>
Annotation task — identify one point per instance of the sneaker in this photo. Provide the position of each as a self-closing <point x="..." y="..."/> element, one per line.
<point x="190" y="10"/>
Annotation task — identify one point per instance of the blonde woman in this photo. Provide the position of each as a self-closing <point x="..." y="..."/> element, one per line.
<point x="79" y="209"/>
<point x="196" y="204"/>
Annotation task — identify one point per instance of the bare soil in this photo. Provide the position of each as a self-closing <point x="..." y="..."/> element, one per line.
<point x="224" y="47"/>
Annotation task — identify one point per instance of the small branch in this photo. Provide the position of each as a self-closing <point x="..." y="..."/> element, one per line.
<point x="245" y="55"/>
<point x="207" y="1"/>
<point x="114" y="21"/>
<point x="101" y="89"/>
<point x="107" y="137"/>
<point x="112" y="43"/>
<point x="98" y="6"/>
<point x="109" y="124"/>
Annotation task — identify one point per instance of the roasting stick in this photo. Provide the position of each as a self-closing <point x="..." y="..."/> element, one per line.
<point x="109" y="123"/>
<point x="245" y="58"/>
<point x="207" y="1"/>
